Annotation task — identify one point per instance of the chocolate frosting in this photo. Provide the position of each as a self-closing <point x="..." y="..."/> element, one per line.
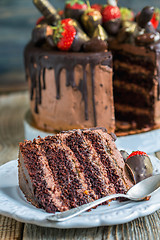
<point x="37" y="60"/>
<point x="140" y="167"/>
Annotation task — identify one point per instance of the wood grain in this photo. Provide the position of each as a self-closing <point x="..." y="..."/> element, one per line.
<point x="10" y="229"/>
<point x="144" y="228"/>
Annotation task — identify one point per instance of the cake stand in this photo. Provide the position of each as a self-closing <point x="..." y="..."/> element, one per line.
<point x="148" y="141"/>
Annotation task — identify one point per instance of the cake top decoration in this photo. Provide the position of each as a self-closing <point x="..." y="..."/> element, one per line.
<point x="93" y="22"/>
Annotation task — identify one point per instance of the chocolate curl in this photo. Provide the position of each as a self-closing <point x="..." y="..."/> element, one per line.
<point x="48" y="11"/>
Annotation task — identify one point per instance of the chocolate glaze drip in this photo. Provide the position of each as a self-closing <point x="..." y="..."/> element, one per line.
<point x="37" y="60"/>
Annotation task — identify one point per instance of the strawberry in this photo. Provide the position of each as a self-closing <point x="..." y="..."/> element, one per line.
<point x="39" y="20"/>
<point x="126" y="14"/>
<point x="68" y="35"/>
<point x="61" y="12"/>
<point x="110" y="12"/>
<point x="111" y="16"/>
<point x="64" y="34"/>
<point x="139" y="166"/>
<point x="76" y="4"/>
<point x="137" y="153"/>
<point x="90" y="19"/>
<point x="41" y="33"/>
<point x="97" y="7"/>
<point x="156" y="17"/>
<point x="74" y="9"/>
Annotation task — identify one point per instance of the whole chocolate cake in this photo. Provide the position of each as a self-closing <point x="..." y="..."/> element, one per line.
<point x="60" y="172"/>
<point x="69" y="68"/>
<point x="70" y="90"/>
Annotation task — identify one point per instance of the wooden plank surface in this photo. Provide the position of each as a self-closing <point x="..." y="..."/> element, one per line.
<point x="146" y="228"/>
<point x="10" y="229"/>
<point x="12" y="111"/>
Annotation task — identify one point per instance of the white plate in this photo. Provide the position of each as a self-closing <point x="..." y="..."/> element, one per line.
<point x="13" y="204"/>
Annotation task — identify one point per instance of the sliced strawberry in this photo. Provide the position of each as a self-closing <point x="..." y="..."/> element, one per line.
<point x="137" y="153"/>
<point x="64" y="34"/>
<point x="40" y="20"/>
<point x="97" y="7"/>
<point x="110" y="12"/>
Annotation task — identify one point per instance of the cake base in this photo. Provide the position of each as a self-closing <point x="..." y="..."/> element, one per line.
<point x="148" y="141"/>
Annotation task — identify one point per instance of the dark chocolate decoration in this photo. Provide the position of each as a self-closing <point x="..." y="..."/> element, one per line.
<point x="112" y="26"/>
<point x="90" y="21"/>
<point x="139" y="167"/>
<point x="127" y="32"/>
<point x="124" y="154"/>
<point x="145" y="16"/>
<point x="145" y="39"/>
<point x="73" y="13"/>
<point x="114" y="137"/>
<point x="95" y="45"/>
<point x="80" y="38"/>
<point x="37" y="60"/>
<point x="48" y="11"/>
<point x="50" y="42"/>
<point x="100" y="33"/>
<point x="39" y="34"/>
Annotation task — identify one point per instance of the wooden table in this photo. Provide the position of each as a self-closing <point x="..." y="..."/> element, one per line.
<point x="12" y="109"/>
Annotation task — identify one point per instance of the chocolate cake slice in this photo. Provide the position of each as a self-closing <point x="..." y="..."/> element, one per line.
<point x="60" y="172"/>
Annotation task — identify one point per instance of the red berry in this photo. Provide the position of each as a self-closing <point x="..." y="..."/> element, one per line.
<point x="97" y="7"/>
<point x="126" y="14"/>
<point x="40" y="20"/>
<point x="135" y="153"/>
<point x="155" y="20"/>
<point x="65" y="34"/>
<point x="76" y="5"/>
<point x="61" y="12"/>
<point x="110" y="12"/>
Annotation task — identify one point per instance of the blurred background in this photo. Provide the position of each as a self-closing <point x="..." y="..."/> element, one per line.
<point x="17" y="19"/>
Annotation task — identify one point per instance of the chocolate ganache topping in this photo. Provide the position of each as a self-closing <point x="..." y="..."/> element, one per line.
<point x="38" y="60"/>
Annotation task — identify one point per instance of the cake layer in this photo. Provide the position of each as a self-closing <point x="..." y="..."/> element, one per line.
<point x="136" y="84"/>
<point x="71" y="168"/>
<point x="141" y="79"/>
<point x="70" y="90"/>
<point x="133" y="95"/>
<point x="140" y="118"/>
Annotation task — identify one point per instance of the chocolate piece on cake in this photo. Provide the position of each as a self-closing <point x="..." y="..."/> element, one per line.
<point x="139" y="166"/>
<point x="60" y="172"/>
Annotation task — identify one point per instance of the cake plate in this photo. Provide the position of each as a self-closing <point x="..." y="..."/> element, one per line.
<point x="13" y="204"/>
<point x="148" y="142"/>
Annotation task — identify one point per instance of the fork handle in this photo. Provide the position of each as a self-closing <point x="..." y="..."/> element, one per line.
<point x="76" y="211"/>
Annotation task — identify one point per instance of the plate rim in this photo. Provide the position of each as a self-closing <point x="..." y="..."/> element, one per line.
<point x="85" y="220"/>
